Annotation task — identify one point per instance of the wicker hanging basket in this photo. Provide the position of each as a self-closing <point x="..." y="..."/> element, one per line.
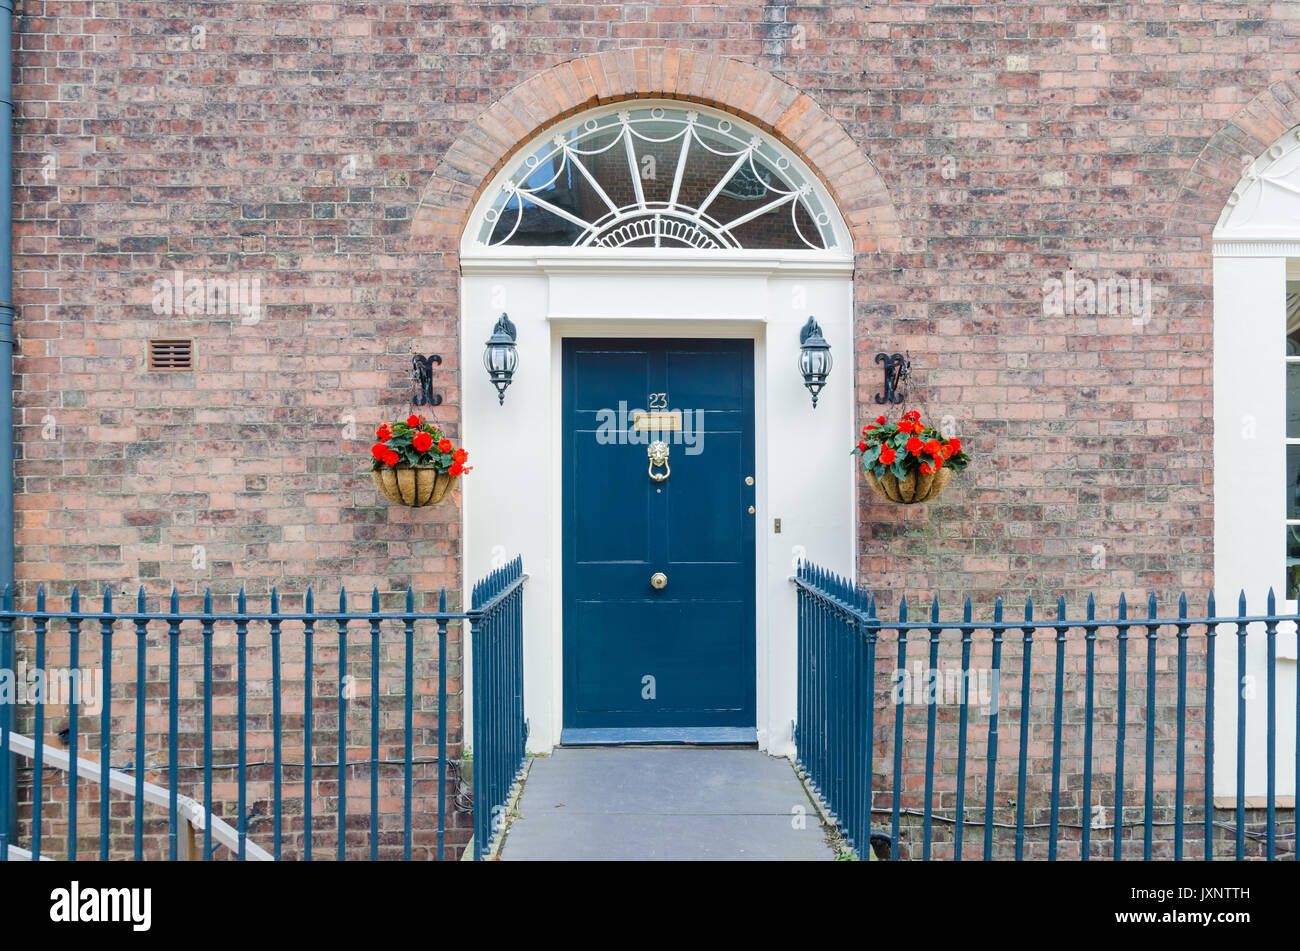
<point x="416" y="487"/>
<point x="912" y="489"/>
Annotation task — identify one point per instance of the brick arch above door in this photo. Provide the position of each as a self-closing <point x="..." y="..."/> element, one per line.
<point x="1225" y="157"/>
<point x="728" y="84"/>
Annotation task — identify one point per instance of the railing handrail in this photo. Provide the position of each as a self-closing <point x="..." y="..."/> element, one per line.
<point x="328" y="616"/>
<point x="189" y="809"/>
<point x="497" y="598"/>
<point x="869" y="617"/>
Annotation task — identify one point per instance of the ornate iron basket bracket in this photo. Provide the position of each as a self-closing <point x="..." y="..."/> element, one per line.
<point x="897" y="369"/>
<point x="422" y="372"/>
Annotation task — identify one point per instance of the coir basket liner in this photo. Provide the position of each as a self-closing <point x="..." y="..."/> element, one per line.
<point x="912" y="489"/>
<point x="413" y="487"/>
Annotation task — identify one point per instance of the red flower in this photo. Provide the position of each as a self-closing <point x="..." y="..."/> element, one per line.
<point x="444" y="445"/>
<point x="379" y="450"/>
<point x="390" y="457"/>
<point x="914" y="446"/>
<point x="862" y="446"/>
<point x="947" y="451"/>
<point x="456" y="469"/>
<point x="912" y="415"/>
<point x="414" y="421"/>
<point x="422" y="442"/>
<point x="384" y="433"/>
<point x="933" y="447"/>
<point x="460" y="455"/>
<point x="880" y="420"/>
<point x="927" y="469"/>
<point x="954" y="445"/>
<point x="887" y="455"/>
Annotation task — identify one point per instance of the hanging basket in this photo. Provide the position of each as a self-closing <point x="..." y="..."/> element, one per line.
<point x="912" y="489"/>
<point x="415" y="488"/>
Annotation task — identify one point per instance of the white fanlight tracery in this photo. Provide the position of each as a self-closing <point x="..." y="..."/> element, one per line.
<point x="658" y="176"/>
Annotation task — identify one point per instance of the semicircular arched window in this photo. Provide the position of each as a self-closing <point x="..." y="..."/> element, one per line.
<point x="658" y="177"/>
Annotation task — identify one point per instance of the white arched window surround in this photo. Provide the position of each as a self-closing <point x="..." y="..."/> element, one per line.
<point x="1257" y="452"/>
<point x="693" y="269"/>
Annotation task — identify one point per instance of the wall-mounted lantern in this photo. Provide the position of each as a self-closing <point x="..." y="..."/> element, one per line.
<point x="814" y="358"/>
<point x="501" y="356"/>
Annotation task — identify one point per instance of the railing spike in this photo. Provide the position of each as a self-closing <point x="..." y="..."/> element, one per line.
<point x="242" y="602"/>
<point x="997" y="610"/>
<point x="1151" y="604"/>
<point x="1241" y="602"/>
<point x="139" y="600"/>
<point x="309" y="601"/>
<point x="40" y="597"/>
<point x="275" y="600"/>
<point x="966" y="609"/>
<point x="442" y="601"/>
<point x="207" y="600"/>
<point x="902" y="608"/>
<point x="1210" y="611"/>
<point x="1182" y="604"/>
<point x="1029" y="608"/>
<point x="75" y="599"/>
<point x="343" y="600"/>
<point x="1123" y="606"/>
<point x="410" y="600"/>
<point x="1272" y="602"/>
<point x="108" y="598"/>
<point x="934" y="610"/>
<point x="374" y="599"/>
<point x="175" y="601"/>
<point x="1060" y="607"/>
<point x="1092" y="607"/>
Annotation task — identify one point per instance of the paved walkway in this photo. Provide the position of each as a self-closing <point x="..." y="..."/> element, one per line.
<point x="638" y="804"/>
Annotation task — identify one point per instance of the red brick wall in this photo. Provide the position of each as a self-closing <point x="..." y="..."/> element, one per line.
<point x="332" y="152"/>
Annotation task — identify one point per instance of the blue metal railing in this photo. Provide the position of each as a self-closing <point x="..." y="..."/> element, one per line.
<point x="840" y="645"/>
<point x="500" y="730"/>
<point x="495" y="620"/>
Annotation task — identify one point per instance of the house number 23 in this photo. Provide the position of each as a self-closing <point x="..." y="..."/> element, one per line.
<point x="658" y="401"/>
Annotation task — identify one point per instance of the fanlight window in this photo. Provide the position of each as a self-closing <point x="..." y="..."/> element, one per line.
<point x="658" y="177"/>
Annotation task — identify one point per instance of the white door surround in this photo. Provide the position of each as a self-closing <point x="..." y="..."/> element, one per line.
<point x="804" y="473"/>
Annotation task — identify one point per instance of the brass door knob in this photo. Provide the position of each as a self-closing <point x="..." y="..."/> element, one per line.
<point x="658" y="581"/>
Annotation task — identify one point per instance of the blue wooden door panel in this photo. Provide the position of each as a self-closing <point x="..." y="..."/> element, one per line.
<point x="642" y="664"/>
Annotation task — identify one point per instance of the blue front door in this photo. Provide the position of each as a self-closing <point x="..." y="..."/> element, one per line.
<point x="674" y="662"/>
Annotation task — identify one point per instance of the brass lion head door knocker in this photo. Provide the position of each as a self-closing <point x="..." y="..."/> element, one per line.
<point x="658" y="453"/>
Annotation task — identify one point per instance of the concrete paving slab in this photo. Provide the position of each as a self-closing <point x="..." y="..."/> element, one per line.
<point x="656" y="804"/>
